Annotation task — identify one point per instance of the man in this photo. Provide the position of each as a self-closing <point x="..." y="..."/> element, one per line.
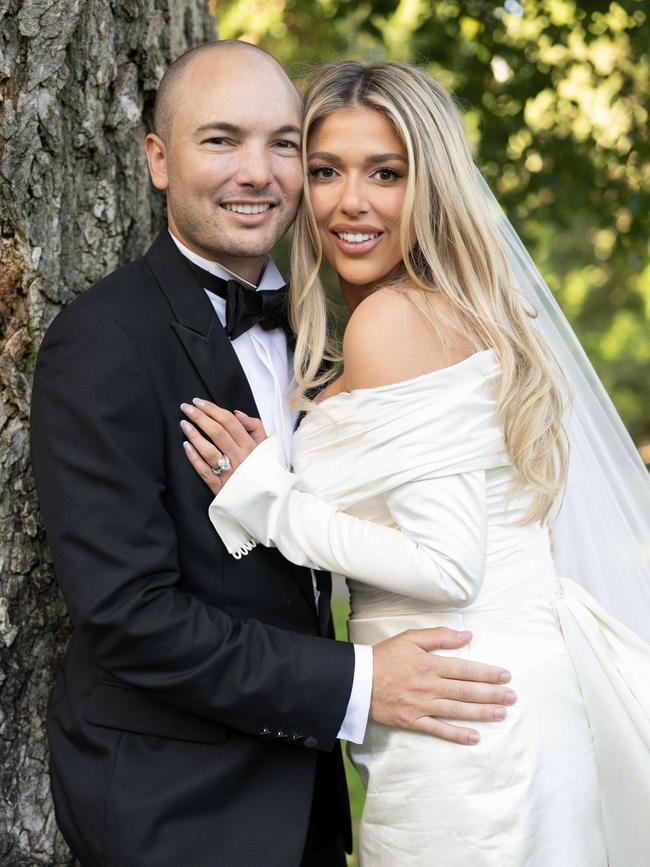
<point x="196" y="718"/>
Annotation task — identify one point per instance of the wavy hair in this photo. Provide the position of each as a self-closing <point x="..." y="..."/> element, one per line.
<point x="450" y="247"/>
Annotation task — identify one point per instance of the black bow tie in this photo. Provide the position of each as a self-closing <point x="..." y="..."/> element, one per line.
<point x="247" y="307"/>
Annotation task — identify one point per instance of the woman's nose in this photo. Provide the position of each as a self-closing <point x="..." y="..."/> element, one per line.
<point x="353" y="199"/>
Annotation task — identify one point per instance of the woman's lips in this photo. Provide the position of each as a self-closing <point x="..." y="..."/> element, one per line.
<point x="356" y="248"/>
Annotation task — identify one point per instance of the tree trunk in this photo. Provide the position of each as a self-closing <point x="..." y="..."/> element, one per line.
<point x="77" y="81"/>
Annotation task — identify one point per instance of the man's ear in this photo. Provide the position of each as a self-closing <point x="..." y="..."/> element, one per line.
<point x="156" y="152"/>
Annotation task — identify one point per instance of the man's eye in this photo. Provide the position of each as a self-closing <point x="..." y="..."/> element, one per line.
<point x="285" y="144"/>
<point x="216" y="141"/>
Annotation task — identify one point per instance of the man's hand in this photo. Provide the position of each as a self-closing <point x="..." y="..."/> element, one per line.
<point x="415" y="689"/>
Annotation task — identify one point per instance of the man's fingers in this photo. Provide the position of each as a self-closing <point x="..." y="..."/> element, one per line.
<point x="459" y="710"/>
<point x="446" y="731"/>
<point x="475" y="693"/>
<point x="453" y="668"/>
<point x="437" y="638"/>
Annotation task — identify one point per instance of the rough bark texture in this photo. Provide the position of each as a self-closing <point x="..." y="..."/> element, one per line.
<point x="77" y="82"/>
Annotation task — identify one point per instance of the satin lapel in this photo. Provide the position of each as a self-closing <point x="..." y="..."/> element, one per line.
<point x="199" y="329"/>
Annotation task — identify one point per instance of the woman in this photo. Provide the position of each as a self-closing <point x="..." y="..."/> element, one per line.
<point x="425" y="471"/>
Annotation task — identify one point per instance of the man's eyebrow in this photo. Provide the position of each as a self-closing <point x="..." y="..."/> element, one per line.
<point x="289" y="127"/>
<point x="221" y="125"/>
<point x="233" y="129"/>
<point x="370" y="160"/>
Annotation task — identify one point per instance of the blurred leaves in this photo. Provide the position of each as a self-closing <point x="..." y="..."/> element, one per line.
<point x="555" y="97"/>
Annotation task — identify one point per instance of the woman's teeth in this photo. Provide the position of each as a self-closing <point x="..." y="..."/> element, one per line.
<point x="246" y="209"/>
<point x="356" y="237"/>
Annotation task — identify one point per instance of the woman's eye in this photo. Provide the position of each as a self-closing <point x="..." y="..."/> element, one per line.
<point x="322" y="172"/>
<point x="387" y="174"/>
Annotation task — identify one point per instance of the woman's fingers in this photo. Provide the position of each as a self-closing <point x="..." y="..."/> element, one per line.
<point x="221" y="437"/>
<point x="210" y="453"/>
<point x="254" y="426"/>
<point x="202" y="468"/>
<point x="227" y="420"/>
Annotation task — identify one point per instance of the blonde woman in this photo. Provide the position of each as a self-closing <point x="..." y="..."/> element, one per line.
<point x="425" y="471"/>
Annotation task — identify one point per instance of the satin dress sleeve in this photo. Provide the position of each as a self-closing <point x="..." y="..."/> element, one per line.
<point x="435" y="550"/>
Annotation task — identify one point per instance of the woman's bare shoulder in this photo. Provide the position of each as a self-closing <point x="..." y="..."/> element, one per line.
<point x="397" y="334"/>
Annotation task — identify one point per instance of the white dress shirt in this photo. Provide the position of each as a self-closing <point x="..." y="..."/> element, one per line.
<point x="265" y="360"/>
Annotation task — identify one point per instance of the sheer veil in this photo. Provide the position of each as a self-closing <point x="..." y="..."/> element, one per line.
<point x="602" y="526"/>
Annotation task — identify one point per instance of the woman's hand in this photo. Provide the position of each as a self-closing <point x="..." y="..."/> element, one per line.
<point x="228" y="442"/>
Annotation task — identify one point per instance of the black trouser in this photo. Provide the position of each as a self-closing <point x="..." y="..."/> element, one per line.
<point x="323" y="846"/>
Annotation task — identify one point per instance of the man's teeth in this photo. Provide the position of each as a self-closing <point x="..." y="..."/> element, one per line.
<point x="246" y="209"/>
<point x="357" y="237"/>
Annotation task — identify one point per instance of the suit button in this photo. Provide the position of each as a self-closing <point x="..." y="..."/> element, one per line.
<point x="296" y="737"/>
<point x="281" y="734"/>
<point x="265" y="733"/>
<point x="311" y="742"/>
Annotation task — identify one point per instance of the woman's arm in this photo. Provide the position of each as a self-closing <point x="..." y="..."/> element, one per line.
<point x="437" y="554"/>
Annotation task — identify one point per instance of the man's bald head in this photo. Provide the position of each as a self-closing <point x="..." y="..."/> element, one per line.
<point x="169" y="87"/>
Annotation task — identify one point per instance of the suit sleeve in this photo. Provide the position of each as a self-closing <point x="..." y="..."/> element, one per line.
<point x="435" y="551"/>
<point x="98" y="455"/>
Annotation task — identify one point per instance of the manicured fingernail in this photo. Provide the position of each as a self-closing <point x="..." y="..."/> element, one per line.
<point x="238" y="412"/>
<point x="510" y="697"/>
<point x="188" y="447"/>
<point x="500" y="713"/>
<point x="465" y="634"/>
<point x="197" y="401"/>
<point x="187" y="427"/>
<point x="505" y="677"/>
<point x="188" y="408"/>
<point x="474" y="738"/>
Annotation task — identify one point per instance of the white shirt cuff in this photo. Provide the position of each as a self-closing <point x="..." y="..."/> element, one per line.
<point x="355" y="720"/>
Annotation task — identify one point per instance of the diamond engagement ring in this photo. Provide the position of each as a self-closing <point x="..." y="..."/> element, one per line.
<point x="223" y="465"/>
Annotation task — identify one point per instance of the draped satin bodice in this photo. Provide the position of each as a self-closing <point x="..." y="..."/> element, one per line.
<point x="356" y="447"/>
<point x="408" y="491"/>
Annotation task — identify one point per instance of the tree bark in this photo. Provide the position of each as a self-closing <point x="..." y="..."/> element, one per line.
<point x="77" y="83"/>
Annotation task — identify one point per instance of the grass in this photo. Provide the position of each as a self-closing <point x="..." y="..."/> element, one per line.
<point x="340" y="610"/>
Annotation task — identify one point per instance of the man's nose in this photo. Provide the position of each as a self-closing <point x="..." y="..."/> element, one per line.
<point x="254" y="169"/>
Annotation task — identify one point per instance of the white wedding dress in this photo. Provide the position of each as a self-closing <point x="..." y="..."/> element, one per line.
<point x="406" y="489"/>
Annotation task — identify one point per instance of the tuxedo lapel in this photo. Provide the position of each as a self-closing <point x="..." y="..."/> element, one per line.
<point x="207" y="345"/>
<point x="198" y="328"/>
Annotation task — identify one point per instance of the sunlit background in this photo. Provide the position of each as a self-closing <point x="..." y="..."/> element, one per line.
<point x="555" y="98"/>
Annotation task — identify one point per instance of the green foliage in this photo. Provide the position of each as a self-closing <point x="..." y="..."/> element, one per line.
<point x="555" y="97"/>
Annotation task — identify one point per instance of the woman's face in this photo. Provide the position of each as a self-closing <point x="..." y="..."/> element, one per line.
<point x="357" y="182"/>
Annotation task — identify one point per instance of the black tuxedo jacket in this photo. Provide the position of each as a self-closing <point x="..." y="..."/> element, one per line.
<point x="197" y="689"/>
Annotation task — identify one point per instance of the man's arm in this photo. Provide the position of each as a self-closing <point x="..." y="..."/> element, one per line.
<point x="98" y="457"/>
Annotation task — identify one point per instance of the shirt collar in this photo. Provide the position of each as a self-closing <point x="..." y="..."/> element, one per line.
<point x="271" y="277"/>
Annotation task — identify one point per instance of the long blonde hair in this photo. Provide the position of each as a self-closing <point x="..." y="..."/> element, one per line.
<point x="450" y="247"/>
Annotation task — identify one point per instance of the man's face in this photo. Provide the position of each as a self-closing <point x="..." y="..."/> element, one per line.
<point x="232" y="166"/>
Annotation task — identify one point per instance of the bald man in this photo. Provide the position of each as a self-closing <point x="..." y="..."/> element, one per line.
<point x="197" y="717"/>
